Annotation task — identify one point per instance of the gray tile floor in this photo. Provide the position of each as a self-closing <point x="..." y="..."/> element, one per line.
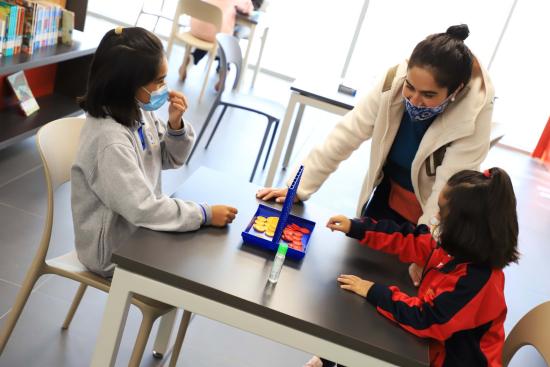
<point x="38" y="340"/>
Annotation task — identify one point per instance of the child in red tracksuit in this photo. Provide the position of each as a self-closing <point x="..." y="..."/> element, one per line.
<point x="460" y="303"/>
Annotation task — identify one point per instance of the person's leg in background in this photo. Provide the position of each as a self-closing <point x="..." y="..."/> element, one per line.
<point x="192" y="59"/>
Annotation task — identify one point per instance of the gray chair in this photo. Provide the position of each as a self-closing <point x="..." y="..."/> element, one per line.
<point x="230" y="53"/>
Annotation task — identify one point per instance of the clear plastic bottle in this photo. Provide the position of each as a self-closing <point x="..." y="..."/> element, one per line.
<point x="278" y="262"/>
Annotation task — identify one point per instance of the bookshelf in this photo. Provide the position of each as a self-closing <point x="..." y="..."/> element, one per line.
<point x="56" y="75"/>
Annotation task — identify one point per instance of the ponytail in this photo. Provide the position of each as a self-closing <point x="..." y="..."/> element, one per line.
<point x="502" y="216"/>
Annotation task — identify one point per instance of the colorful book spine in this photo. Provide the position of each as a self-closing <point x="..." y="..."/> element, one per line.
<point x="2" y="33"/>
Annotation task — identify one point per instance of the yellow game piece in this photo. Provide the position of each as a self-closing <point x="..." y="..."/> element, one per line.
<point x="262" y="223"/>
<point x="259" y="228"/>
<point x="269" y="233"/>
<point x="259" y="217"/>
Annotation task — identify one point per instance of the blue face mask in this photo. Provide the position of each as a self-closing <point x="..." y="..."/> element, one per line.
<point x="158" y="98"/>
<point x="418" y="113"/>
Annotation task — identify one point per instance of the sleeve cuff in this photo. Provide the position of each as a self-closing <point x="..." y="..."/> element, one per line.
<point x="206" y="214"/>
<point x="357" y="229"/>
<point x="179" y="132"/>
<point x="376" y="292"/>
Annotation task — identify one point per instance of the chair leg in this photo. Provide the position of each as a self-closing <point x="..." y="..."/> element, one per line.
<point x="76" y="301"/>
<point x="271" y="143"/>
<point x="216" y="126"/>
<point x="20" y="301"/>
<point x="260" y="151"/>
<point x="174" y="31"/>
<point x="141" y="340"/>
<point x="179" y="339"/>
<point x="185" y="64"/>
<point x="211" y="57"/>
<point x="203" y="129"/>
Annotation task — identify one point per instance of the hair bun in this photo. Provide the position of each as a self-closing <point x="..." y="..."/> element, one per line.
<point x="460" y="32"/>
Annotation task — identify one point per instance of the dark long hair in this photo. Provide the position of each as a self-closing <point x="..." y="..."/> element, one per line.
<point x="479" y="221"/>
<point x="447" y="55"/>
<point x="125" y="60"/>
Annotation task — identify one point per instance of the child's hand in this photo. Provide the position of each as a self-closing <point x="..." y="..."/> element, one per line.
<point x="339" y="223"/>
<point x="415" y="272"/>
<point x="355" y="284"/>
<point x="178" y="105"/>
<point x="268" y="193"/>
<point x="222" y="215"/>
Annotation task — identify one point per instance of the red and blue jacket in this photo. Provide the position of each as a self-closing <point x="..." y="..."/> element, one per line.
<point x="460" y="306"/>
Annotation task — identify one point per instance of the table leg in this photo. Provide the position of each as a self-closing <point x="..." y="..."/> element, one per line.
<point x="112" y="326"/>
<point x="163" y="334"/>
<point x="293" y="135"/>
<point x="259" y="61"/>
<point x="246" y="55"/>
<point x="282" y="138"/>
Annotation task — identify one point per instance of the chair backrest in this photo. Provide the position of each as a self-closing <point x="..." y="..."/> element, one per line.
<point x="532" y="329"/>
<point x="57" y="143"/>
<point x="230" y="53"/>
<point x="202" y="10"/>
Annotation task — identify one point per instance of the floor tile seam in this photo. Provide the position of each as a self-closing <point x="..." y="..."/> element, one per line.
<point x="20" y="175"/>
<point x="22" y="210"/>
<point x="10" y="282"/>
<point x="35" y="289"/>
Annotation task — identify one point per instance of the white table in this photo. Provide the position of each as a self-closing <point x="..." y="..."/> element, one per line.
<point x="322" y="95"/>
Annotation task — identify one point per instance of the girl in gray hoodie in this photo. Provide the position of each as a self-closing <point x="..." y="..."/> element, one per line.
<point x="116" y="178"/>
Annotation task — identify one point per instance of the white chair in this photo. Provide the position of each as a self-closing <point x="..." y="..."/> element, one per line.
<point x="207" y="13"/>
<point x="532" y="329"/>
<point x="57" y="144"/>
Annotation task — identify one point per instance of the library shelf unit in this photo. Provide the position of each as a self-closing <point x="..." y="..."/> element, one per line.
<point x="56" y="75"/>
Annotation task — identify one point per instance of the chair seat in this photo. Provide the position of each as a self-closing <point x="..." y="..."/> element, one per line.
<point x="189" y="39"/>
<point x="253" y="103"/>
<point x="69" y="266"/>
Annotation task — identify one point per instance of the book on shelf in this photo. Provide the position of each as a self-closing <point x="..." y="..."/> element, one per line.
<point x="27" y="102"/>
<point x="27" y="25"/>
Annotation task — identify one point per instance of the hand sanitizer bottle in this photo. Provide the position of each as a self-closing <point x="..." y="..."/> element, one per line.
<point x="278" y="262"/>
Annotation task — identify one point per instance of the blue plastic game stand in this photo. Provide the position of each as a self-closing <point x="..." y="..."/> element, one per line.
<point x="287" y="205"/>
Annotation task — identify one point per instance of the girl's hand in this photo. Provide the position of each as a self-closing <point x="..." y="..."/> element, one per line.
<point x="339" y="223"/>
<point x="355" y="284"/>
<point x="268" y="193"/>
<point x="222" y="215"/>
<point x="415" y="272"/>
<point x="178" y="105"/>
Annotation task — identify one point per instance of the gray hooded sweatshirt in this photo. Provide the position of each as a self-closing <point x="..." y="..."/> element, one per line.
<point x="116" y="186"/>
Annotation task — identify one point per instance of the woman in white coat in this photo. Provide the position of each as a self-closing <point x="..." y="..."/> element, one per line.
<point x="428" y="118"/>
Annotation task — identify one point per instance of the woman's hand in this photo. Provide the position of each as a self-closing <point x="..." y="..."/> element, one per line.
<point x="268" y="193"/>
<point x="355" y="284"/>
<point x="178" y="105"/>
<point x="222" y="215"/>
<point x="339" y="223"/>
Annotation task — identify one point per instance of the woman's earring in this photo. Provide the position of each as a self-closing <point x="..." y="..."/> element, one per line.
<point x="452" y="99"/>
